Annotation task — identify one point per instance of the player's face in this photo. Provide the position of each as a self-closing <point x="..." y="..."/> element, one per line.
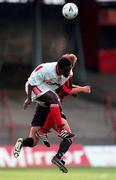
<point x="66" y="71"/>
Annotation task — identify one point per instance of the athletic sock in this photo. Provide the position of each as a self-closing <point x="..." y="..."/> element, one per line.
<point x="64" y="146"/>
<point x="56" y="114"/>
<point x="28" y="142"/>
<point x="49" y="123"/>
<point x="54" y="118"/>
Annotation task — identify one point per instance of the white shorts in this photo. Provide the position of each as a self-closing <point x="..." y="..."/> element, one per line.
<point x="39" y="91"/>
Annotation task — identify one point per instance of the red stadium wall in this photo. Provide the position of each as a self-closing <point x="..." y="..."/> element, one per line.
<point x="107" y="61"/>
<point x="107" y="54"/>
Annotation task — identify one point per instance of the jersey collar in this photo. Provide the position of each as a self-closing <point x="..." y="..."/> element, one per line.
<point x="57" y="72"/>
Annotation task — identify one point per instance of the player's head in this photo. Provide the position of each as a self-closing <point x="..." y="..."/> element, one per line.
<point x="72" y="57"/>
<point x="64" y="66"/>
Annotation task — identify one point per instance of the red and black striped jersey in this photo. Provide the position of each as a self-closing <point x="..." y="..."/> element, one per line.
<point x="65" y="89"/>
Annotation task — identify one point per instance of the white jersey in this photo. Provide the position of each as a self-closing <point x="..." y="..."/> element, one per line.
<point x="45" y="78"/>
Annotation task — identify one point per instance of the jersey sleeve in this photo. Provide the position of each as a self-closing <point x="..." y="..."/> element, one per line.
<point x="65" y="89"/>
<point x="37" y="76"/>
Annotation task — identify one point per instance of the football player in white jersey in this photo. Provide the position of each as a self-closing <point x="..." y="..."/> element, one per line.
<point x="41" y="86"/>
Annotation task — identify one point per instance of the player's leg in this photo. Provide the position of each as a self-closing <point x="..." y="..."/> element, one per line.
<point x="42" y="113"/>
<point x="30" y="141"/>
<point x="53" y="118"/>
<point x="37" y="121"/>
<point x="65" y="143"/>
<point x="63" y="148"/>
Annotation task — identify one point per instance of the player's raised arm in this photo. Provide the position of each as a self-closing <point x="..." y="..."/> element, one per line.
<point x="80" y="89"/>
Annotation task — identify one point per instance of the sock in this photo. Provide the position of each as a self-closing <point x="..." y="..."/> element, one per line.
<point x="28" y="142"/>
<point x="64" y="146"/>
<point x="54" y="118"/>
<point x="49" y="123"/>
<point x="56" y="115"/>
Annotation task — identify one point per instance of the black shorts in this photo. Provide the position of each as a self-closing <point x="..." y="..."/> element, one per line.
<point x="41" y="114"/>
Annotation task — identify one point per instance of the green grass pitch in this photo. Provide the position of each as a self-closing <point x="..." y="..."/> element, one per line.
<point x="55" y="174"/>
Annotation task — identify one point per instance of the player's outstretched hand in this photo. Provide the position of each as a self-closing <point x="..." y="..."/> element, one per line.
<point x="26" y="103"/>
<point x="87" y="89"/>
<point x="80" y="89"/>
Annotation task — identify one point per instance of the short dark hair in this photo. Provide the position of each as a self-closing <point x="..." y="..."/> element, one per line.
<point x="62" y="62"/>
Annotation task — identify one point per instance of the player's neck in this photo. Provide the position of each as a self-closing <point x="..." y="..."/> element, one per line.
<point x="57" y="71"/>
